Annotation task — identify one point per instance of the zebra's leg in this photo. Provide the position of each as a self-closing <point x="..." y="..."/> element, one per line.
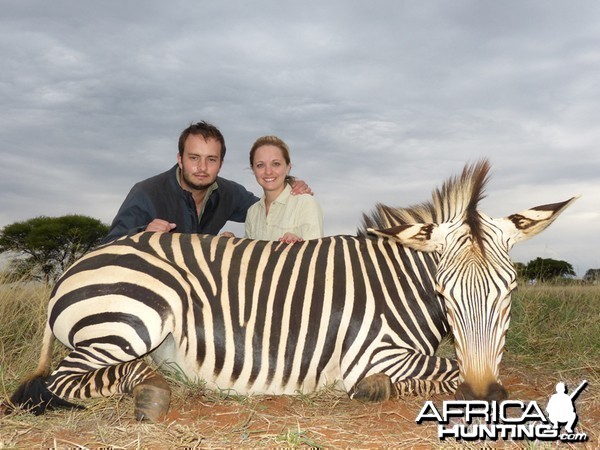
<point x="430" y="375"/>
<point x="379" y="387"/>
<point x="423" y="388"/>
<point x="151" y="398"/>
<point x="374" y="388"/>
<point x="425" y="375"/>
<point x="83" y="375"/>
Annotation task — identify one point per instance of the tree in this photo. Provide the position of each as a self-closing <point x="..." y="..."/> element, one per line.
<point x="46" y="246"/>
<point x="521" y="269"/>
<point x="592" y="276"/>
<point x="544" y="269"/>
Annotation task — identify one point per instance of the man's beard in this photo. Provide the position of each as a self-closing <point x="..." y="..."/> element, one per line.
<point x="194" y="185"/>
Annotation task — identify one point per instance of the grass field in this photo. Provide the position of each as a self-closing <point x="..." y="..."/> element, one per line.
<point x="554" y="336"/>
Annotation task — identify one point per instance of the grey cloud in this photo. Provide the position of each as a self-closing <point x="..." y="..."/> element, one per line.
<point x="380" y="102"/>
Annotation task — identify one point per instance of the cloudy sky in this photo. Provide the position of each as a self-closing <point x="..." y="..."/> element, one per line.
<point x="380" y="101"/>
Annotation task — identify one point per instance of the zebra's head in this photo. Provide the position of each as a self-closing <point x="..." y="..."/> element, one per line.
<point x="475" y="275"/>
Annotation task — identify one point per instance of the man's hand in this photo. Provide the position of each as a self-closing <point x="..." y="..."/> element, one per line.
<point x="161" y="226"/>
<point x="300" y="187"/>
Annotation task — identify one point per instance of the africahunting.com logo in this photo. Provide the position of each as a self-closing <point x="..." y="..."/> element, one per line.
<point x="510" y="419"/>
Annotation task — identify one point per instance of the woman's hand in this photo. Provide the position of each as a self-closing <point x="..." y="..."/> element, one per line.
<point x="290" y="238"/>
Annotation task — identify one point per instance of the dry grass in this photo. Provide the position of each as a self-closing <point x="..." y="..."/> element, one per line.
<point x="554" y="336"/>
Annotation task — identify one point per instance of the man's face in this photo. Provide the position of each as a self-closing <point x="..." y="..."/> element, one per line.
<point x="200" y="163"/>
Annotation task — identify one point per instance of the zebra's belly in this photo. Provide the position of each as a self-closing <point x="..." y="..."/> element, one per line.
<point x="249" y="381"/>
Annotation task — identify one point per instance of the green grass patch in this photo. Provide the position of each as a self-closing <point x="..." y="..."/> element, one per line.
<point x="558" y="326"/>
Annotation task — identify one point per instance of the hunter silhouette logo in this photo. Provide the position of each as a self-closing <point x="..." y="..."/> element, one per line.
<point x="561" y="407"/>
<point x="510" y="419"/>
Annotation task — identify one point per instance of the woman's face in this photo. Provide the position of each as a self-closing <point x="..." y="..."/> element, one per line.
<point x="270" y="168"/>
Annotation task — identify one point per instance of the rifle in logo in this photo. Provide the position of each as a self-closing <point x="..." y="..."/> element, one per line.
<point x="580" y="388"/>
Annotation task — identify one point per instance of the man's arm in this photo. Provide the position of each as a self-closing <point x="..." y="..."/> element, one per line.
<point x="135" y="214"/>
<point x="243" y="200"/>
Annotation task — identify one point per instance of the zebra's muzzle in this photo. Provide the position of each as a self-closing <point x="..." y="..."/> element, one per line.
<point x="494" y="392"/>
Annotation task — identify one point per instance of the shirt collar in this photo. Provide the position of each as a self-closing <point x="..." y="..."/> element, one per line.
<point x="213" y="187"/>
<point x="285" y="194"/>
<point x="281" y="198"/>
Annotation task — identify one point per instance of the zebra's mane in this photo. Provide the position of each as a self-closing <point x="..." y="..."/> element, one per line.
<point x="457" y="198"/>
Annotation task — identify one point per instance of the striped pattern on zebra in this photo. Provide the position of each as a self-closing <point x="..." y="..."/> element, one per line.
<point x="367" y="311"/>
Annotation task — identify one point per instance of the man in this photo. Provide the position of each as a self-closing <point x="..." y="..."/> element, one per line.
<point x="561" y="408"/>
<point x="190" y="197"/>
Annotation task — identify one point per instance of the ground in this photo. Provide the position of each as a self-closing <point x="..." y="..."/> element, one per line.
<point x="328" y="419"/>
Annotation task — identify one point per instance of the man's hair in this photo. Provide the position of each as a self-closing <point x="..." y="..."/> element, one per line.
<point x="207" y="131"/>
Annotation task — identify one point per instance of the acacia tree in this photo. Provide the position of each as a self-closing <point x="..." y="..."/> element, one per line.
<point x="45" y="246"/>
<point x="544" y="269"/>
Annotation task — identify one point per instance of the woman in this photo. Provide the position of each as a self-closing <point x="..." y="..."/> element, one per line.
<point x="279" y="215"/>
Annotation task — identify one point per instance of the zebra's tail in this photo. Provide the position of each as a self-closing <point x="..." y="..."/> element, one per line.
<point x="43" y="368"/>
<point x="32" y="394"/>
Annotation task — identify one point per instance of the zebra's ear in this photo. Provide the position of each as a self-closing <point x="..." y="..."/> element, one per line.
<point x="424" y="237"/>
<point x="530" y="222"/>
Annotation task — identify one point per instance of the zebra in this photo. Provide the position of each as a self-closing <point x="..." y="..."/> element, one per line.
<point x="257" y="317"/>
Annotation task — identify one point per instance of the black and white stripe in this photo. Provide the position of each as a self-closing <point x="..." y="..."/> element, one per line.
<point x="368" y="311"/>
<point x="256" y="316"/>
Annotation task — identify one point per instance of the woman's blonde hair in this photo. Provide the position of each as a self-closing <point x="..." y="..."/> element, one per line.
<point x="270" y="140"/>
<point x="275" y="141"/>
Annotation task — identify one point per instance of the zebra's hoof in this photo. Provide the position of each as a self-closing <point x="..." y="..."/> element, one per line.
<point x="151" y="400"/>
<point x="374" y="388"/>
